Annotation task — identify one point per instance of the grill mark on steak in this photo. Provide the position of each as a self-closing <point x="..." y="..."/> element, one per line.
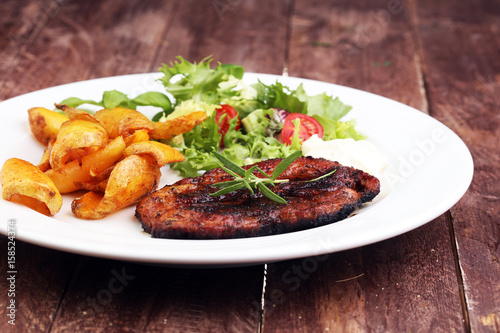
<point x="186" y="210"/>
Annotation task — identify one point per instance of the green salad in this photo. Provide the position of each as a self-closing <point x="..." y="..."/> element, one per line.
<point x="245" y="123"/>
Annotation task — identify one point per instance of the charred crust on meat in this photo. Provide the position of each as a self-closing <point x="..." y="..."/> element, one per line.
<point x="186" y="210"/>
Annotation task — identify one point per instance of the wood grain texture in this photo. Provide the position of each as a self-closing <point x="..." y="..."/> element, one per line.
<point x="120" y="296"/>
<point x="66" y="49"/>
<point x="390" y="286"/>
<point x="39" y="284"/>
<point x="20" y="25"/>
<point x="248" y="33"/>
<point x="460" y="47"/>
<point x="364" y="44"/>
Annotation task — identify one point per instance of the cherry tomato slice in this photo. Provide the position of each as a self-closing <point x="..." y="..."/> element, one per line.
<point x="230" y="113"/>
<point x="308" y="127"/>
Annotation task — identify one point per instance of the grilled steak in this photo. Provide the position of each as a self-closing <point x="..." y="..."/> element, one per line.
<point x="187" y="210"/>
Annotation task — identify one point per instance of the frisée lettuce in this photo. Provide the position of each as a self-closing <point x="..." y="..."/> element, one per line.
<point x="197" y="81"/>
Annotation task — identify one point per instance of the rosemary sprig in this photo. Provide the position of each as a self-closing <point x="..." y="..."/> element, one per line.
<point x="246" y="179"/>
<point x="321" y="177"/>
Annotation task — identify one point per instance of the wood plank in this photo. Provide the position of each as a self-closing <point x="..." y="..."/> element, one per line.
<point x="114" y="295"/>
<point x="40" y="278"/>
<point x="460" y="47"/>
<point x="364" y="44"/>
<point x="248" y="33"/>
<point x="20" y="25"/>
<point x="407" y="283"/>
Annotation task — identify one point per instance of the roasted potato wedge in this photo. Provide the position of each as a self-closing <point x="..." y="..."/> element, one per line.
<point x="132" y="178"/>
<point x="159" y="152"/>
<point x="138" y="136"/>
<point x="97" y="182"/>
<point x="170" y="128"/>
<point x="44" y="164"/>
<point x="91" y="165"/>
<point x="65" y="182"/>
<point x="24" y="183"/>
<point x="93" y="186"/>
<point x="75" y="114"/>
<point x="76" y="138"/>
<point x="122" y="121"/>
<point x="45" y="124"/>
<point x="80" y="156"/>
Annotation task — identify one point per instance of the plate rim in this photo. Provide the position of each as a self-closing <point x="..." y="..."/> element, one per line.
<point x="66" y="245"/>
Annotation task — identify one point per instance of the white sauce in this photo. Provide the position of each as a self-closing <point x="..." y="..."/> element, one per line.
<point x="361" y="154"/>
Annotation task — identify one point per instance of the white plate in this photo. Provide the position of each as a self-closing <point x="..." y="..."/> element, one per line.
<point x="430" y="168"/>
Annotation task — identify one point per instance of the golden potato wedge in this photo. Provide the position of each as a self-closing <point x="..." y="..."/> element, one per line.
<point x="65" y="182"/>
<point x="75" y="114"/>
<point x="138" y="136"/>
<point x="85" y="207"/>
<point x="132" y="178"/>
<point x="160" y="153"/>
<point x="169" y="128"/>
<point x="99" y="176"/>
<point x="45" y="124"/>
<point x="93" y="186"/>
<point x="122" y="121"/>
<point x="97" y="182"/>
<point x="24" y="183"/>
<point x="76" y="138"/>
<point x="103" y="159"/>
<point x="91" y="165"/>
<point x="44" y="164"/>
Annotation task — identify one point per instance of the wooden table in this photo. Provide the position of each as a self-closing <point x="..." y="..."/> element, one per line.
<point x="439" y="57"/>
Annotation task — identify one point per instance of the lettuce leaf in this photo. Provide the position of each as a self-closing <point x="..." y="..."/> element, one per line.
<point x="241" y="147"/>
<point x="279" y="96"/>
<point x="198" y="81"/>
<point x="189" y="106"/>
<point x="336" y="129"/>
<point x="114" y="98"/>
<point x="297" y="101"/>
